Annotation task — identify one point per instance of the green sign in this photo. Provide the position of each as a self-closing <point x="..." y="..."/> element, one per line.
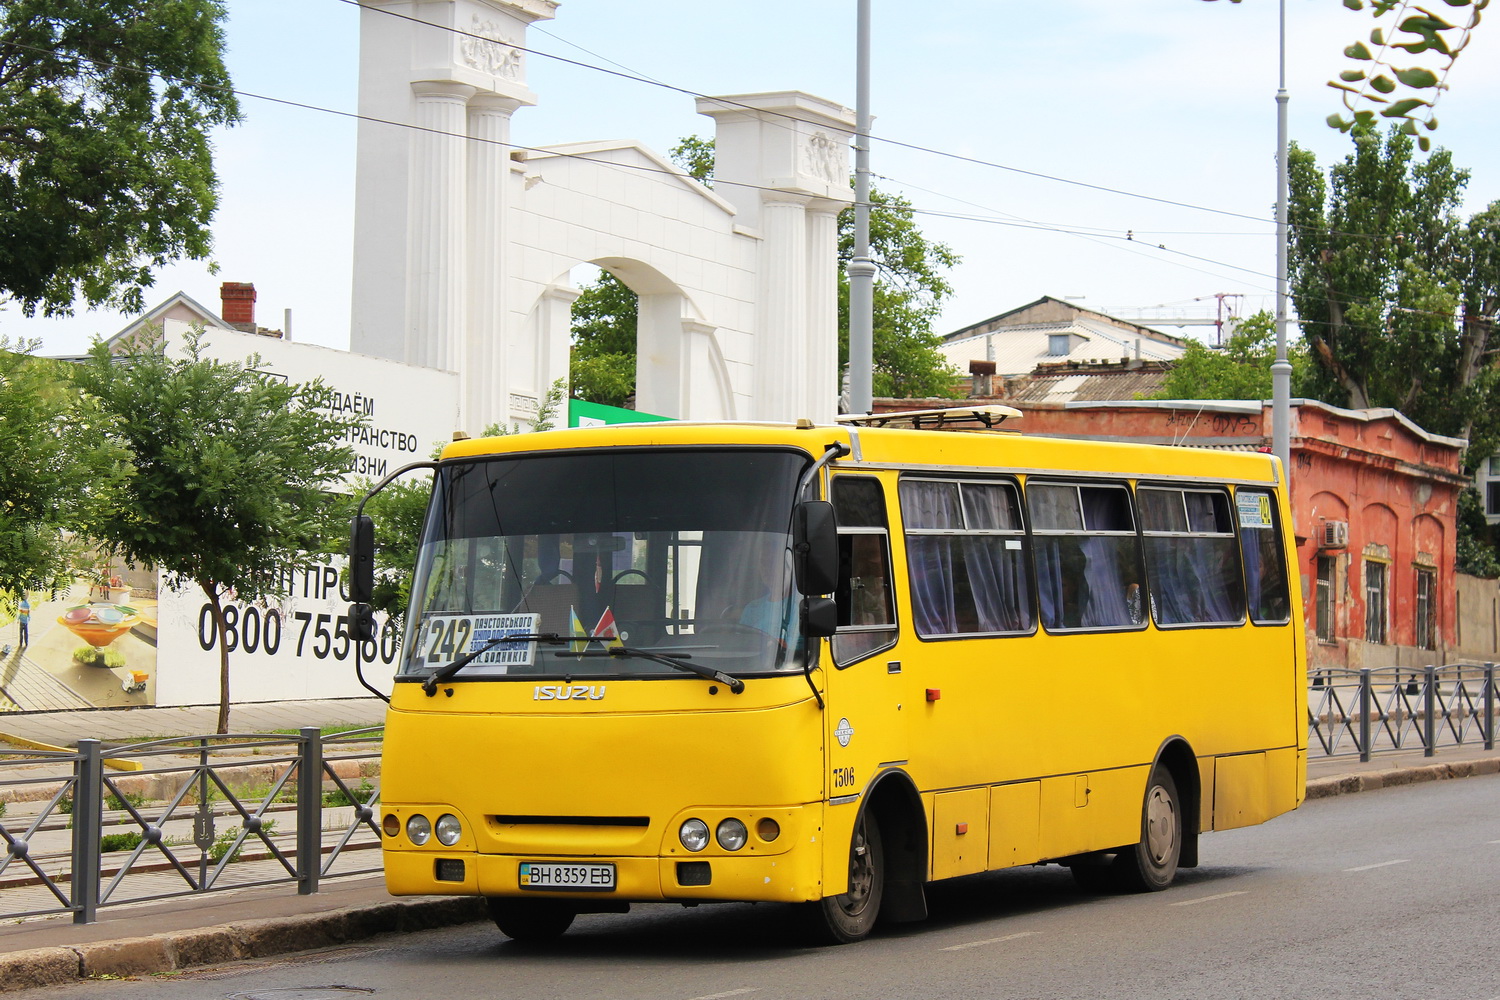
<point x="582" y="413"/>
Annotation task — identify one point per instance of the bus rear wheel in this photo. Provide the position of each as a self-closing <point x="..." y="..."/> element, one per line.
<point x="851" y="915"/>
<point x="530" y="919"/>
<point x="1150" y="864"/>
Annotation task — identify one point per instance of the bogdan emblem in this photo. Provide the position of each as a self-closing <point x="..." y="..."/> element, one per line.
<point x="844" y="732"/>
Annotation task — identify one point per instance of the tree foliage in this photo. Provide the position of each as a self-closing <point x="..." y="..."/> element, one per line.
<point x="53" y="471"/>
<point x="105" y="166"/>
<point x="1429" y="44"/>
<point x="910" y="288"/>
<point x="1241" y="369"/>
<point x="230" y="471"/>
<point x="1395" y="292"/>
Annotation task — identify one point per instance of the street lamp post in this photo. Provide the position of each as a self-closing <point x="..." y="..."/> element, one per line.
<point x="1281" y="369"/>
<point x="861" y="269"/>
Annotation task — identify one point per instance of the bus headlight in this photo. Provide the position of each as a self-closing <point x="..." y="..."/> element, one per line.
<point x="449" y="829"/>
<point x="694" y="835"/>
<point x="767" y="829"/>
<point x="731" y="834"/>
<point x="418" y="829"/>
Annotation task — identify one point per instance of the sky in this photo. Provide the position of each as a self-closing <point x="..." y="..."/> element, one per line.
<point x="1045" y="143"/>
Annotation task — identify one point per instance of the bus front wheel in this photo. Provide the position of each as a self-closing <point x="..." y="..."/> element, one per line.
<point x="530" y="919"/>
<point x="851" y="915"/>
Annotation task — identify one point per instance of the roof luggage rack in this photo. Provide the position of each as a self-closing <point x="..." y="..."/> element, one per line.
<point x="989" y="415"/>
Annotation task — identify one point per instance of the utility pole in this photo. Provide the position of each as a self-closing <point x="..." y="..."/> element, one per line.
<point x="861" y="269"/>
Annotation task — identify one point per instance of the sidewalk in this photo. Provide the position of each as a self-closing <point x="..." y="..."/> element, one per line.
<point x="260" y="922"/>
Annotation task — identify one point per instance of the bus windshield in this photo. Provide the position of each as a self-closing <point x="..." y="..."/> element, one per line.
<point x="626" y="557"/>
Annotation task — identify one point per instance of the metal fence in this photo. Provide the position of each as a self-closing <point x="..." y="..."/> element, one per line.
<point x="214" y="813"/>
<point x="1378" y="710"/>
<point x="199" y="815"/>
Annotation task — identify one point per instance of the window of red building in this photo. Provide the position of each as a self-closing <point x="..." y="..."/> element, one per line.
<point x="1326" y="598"/>
<point x="1426" y="609"/>
<point x="1375" y="601"/>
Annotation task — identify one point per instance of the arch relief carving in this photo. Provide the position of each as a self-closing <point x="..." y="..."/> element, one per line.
<point x="823" y="157"/>
<point x="486" y="49"/>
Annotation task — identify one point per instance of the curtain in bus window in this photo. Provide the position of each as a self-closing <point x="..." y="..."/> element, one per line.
<point x="1085" y="580"/>
<point x="1260" y="545"/>
<point x="1193" y="573"/>
<point x="970" y="578"/>
<point x="997" y="581"/>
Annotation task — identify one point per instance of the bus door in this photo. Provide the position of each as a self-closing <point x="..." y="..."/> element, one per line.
<point x="866" y="689"/>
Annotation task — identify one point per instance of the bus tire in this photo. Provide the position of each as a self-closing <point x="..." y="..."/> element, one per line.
<point x="1151" y="864"/>
<point x="851" y="915"/>
<point x="530" y="920"/>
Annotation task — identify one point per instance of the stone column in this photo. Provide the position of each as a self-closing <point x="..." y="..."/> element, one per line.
<point x="821" y="391"/>
<point x="485" y="375"/>
<point x="781" y="341"/>
<point x="435" y="255"/>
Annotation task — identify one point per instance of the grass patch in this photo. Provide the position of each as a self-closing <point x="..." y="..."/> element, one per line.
<point x="336" y="797"/>
<point x="119" y="841"/>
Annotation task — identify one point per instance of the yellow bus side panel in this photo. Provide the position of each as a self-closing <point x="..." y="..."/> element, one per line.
<point x="1242" y="794"/>
<point x="1109" y="816"/>
<point x="1251" y="788"/>
<point x="960" y="838"/>
<point x="1015" y="816"/>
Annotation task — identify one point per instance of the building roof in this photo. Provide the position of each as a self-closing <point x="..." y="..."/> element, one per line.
<point x="1022" y="338"/>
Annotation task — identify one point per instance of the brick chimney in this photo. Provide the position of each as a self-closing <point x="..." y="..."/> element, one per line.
<point x="237" y="305"/>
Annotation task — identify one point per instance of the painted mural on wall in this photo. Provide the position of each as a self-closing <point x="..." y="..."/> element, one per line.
<point x="119" y="638"/>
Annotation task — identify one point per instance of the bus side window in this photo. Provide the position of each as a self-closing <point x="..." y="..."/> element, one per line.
<point x="1088" y="562"/>
<point x="1265" y="567"/>
<point x="867" y="617"/>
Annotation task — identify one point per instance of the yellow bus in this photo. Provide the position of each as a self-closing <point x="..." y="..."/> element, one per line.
<point x="690" y="663"/>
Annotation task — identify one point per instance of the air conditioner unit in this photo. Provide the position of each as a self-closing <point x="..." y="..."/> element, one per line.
<point x="1335" y="534"/>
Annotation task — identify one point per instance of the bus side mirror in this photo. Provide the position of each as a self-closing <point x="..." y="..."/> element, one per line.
<point x="820" y="616"/>
<point x="361" y="622"/>
<point x="815" y="547"/>
<point x="361" y="559"/>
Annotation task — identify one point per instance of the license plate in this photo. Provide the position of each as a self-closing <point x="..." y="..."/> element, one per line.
<point x="557" y="877"/>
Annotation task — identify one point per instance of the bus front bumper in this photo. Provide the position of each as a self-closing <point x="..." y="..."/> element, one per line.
<point x="787" y="878"/>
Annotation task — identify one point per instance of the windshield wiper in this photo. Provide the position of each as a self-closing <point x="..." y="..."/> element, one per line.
<point x="680" y="661"/>
<point x="430" y="685"/>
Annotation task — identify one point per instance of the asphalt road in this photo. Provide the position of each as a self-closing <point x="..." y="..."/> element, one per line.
<point x="1384" y="894"/>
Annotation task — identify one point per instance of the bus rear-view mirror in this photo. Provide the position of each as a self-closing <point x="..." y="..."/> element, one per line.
<point x="815" y="547"/>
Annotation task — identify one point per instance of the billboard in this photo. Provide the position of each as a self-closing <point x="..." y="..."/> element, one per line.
<point x="120" y="639"/>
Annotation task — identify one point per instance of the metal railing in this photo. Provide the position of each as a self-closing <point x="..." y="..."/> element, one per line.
<point x="202" y="814"/>
<point x="1386" y="709"/>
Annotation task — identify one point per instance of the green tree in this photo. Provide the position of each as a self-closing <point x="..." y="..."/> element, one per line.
<point x="1396" y="293"/>
<point x="51" y="473"/>
<point x="105" y="167"/>
<point x="601" y="368"/>
<point x="1241" y="369"/>
<point x="232" y="472"/>
<point x="910" y="288"/>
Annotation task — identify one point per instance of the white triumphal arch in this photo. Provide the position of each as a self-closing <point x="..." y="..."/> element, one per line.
<point x="463" y="245"/>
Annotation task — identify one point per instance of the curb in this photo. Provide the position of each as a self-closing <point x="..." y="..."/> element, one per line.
<point x="1322" y="788"/>
<point x="159" y="953"/>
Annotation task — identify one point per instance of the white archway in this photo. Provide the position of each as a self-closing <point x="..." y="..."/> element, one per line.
<point x="459" y="240"/>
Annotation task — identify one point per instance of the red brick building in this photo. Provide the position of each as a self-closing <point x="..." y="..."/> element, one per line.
<point x="1374" y="505"/>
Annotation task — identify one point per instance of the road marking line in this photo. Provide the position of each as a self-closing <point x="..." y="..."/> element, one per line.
<point x="1210" y="899"/>
<point x="1383" y="864"/>
<point x="731" y="993"/>
<point x="998" y="940"/>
